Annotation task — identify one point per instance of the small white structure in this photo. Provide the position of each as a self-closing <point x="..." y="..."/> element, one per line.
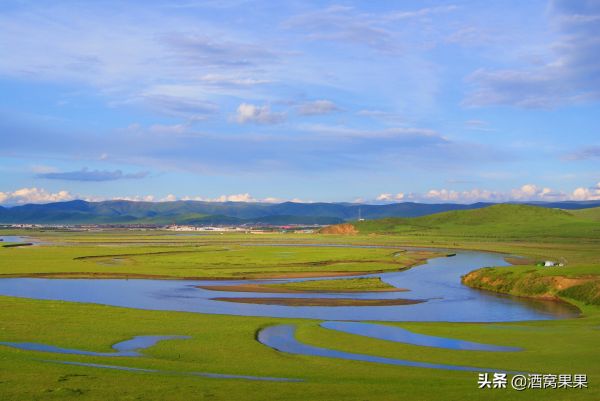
<point x="549" y="263"/>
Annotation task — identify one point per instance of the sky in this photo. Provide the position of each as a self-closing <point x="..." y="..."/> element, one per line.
<point x="347" y="101"/>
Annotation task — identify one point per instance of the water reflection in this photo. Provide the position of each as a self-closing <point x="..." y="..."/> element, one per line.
<point x="397" y="334"/>
<point x="282" y="338"/>
<point x="438" y="281"/>
<point x="124" y="348"/>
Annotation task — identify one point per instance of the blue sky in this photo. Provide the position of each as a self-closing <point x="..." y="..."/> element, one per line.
<point x="431" y="101"/>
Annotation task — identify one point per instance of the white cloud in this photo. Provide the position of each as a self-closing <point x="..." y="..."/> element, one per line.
<point x="34" y="195"/>
<point x="390" y="197"/>
<point x="242" y="197"/>
<point x="250" y="113"/>
<point x="317" y="107"/>
<point x="583" y="194"/>
<point x="136" y="198"/>
<point x="236" y="198"/>
<point x="525" y="193"/>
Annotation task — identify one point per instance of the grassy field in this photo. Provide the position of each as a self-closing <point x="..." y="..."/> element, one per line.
<point x="197" y="260"/>
<point x="226" y="344"/>
<point x="498" y="222"/>
<point x="342" y="286"/>
<point x="346" y="285"/>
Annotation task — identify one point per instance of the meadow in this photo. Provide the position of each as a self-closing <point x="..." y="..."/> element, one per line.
<point x="227" y="344"/>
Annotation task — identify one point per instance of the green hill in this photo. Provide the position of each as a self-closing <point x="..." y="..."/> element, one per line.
<point x="589" y="214"/>
<point x="497" y="221"/>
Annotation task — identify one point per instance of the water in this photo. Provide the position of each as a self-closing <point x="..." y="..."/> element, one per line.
<point x="7" y="239"/>
<point x="397" y="334"/>
<point x="282" y="338"/>
<point x="11" y="238"/>
<point x="437" y="281"/>
<point x="123" y="348"/>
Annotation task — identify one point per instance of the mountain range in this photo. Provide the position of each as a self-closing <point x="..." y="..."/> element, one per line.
<point x="231" y="213"/>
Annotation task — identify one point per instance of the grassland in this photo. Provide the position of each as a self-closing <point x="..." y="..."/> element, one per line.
<point x="498" y="222"/>
<point x="226" y="344"/>
<point x="370" y="284"/>
<point x="200" y="260"/>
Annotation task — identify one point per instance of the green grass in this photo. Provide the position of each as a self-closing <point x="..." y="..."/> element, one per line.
<point x="354" y="284"/>
<point x="498" y="222"/>
<point x="231" y="260"/>
<point x="591" y="213"/>
<point x="226" y="344"/>
<point x="580" y="283"/>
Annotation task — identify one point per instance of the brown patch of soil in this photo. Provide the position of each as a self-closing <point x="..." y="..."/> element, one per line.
<point x="562" y="283"/>
<point x="341" y="229"/>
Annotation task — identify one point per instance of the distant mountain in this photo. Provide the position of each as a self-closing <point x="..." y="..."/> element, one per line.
<point x="210" y="213"/>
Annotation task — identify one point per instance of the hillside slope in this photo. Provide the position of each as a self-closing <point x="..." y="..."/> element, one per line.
<point x="497" y="221"/>
<point x="590" y="214"/>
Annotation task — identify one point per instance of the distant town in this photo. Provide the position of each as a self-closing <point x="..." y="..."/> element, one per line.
<point x="246" y="229"/>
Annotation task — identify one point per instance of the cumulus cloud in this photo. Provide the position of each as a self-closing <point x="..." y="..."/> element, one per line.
<point x="525" y="193"/>
<point x="533" y="192"/>
<point x="135" y="198"/>
<point x="250" y="113"/>
<point x="92" y="175"/>
<point x="242" y="197"/>
<point x="317" y="107"/>
<point x="390" y="197"/>
<point x="169" y="198"/>
<point x="34" y="195"/>
<point x="583" y="194"/>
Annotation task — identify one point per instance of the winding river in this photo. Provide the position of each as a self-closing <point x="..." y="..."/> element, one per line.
<point x="436" y="282"/>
